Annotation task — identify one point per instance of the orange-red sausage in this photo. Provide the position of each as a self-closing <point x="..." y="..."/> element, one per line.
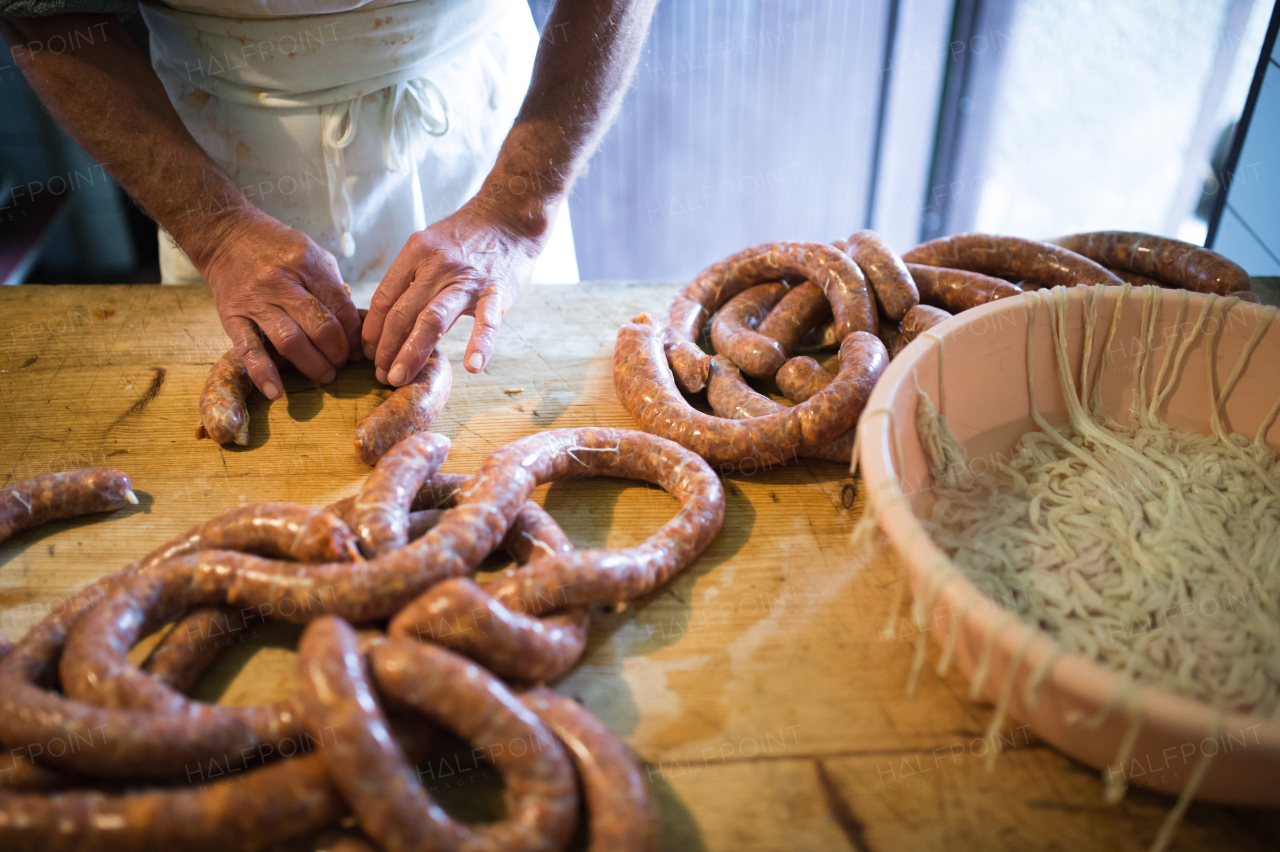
<point x="410" y="409"/>
<point x="734" y="335"/>
<point x="1169" y="261"/>
<point x="646" y="387"/>
<point x="827" y="267"/>
<point x="957" y="290"/>
<point x="1042" y="264"/>
<point x="894" y="288"/>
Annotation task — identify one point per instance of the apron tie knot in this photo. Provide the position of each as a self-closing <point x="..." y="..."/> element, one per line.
<point x="409" y="106"/>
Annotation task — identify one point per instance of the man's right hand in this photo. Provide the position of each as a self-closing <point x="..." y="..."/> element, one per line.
<point x="264" y="276"/>
<point x="269" y="279"/>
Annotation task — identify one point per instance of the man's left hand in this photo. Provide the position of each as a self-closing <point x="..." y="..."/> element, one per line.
<point x="472" y="263"/>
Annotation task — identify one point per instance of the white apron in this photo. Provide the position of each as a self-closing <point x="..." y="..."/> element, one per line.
<point x="356" y="123"/>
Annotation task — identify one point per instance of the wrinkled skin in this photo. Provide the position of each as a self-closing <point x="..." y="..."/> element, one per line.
<point x="474" y="263"/>
<point x="268" y="276"/>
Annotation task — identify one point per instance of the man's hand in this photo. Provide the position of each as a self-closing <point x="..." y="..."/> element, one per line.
<point x="471" y="263"/>
<point x="480" y="259"/>
<point x="265" y="275"/>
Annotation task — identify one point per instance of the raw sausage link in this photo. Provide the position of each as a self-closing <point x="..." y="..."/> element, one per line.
<point x="286" y="530"/>
<point x="895" y="290"/>
<point x="1043" y="264"/>
<point x="125" y="743"/>
<point x="531" y="530"/>
<point x="94" y="664"/>
<point x="917" y="321"/>
<point x="587" y="576"/>
<point x="95" y="669"/>
<point x="193" y="645"/>
<point x="54" y="496"/>
<point x="223" y="414"/>
<point x="645" y="386"/>
<point x="802" y="377"/>
<point x="620" y="811"/>
<point x="463" y="538"/>
<point x="801" y="309"/>
<point x="465" y="618"/>
<point x="246" y="812"/>
<point x="733" y="398"/>
<point x="1171" y="261"/>
<point x="511" y="642"/>
<point x="958" y="290"/>
<point x="733" y="331"/>
<point x="409" y="410"/>
<point x="374" y="774"/>
<point x="1247" y="296"/>
<point x="20" y="773"/>
<point x="381" y="508"/>
<point x="827" y="267"/>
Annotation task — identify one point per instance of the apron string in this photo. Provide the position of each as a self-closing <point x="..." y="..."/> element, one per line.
<point x="409" y="106"/>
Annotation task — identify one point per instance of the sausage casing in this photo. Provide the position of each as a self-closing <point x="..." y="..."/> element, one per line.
<point x="734" y="335"/>
<point x="802" y="377"/>
<point x="645" y="386"/>
<point x="55" y="496"/>
<point x="381" y="508"/>
<point x="894" y="288"/>
<point x="410" y="409"/>
<point x="799" y="311"/>
<point x="827" y="267"/>
<point x="957" y="290"/>
<point x="375" y="776"/>
<point x="1043" y="264"/>
<point x="1173" y="262"/>
<point x="917" y="321"/>
<point x="224" y="415"/>
<point x="731" y="397"/>
<point x="620" y="810"/>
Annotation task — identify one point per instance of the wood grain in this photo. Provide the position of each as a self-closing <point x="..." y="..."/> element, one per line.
<point x="757" y="686"/>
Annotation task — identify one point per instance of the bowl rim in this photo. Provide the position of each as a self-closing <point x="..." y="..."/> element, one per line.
<point x="1086" y="682"/>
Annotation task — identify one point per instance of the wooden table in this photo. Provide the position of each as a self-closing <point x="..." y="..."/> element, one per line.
<point x="757" y="687"/>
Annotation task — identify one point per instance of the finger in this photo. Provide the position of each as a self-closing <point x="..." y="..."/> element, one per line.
<point x="292" y="342"/>
<point x="484" y="334"/>
<point x="317" y="322"/>
<point x="252" y="352"/>
<point x="329" y="290"/>
<point x="432" y="323"/>
<point x="400" y="320"/>
<point x="390" y="289"/>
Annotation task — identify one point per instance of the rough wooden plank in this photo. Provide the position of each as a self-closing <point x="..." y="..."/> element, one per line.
<point x="764" y="659"/>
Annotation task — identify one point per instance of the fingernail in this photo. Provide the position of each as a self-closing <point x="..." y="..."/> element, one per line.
<point x="381" y="375"/>
<point x="396" y="376"/>
<point x="328" y="377"/>
<point x="475" y="361"/>
<point x="368" y="350"/>
<point x="270" y="389"/>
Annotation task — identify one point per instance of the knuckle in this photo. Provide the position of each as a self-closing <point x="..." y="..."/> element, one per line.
<point x="434" y="314"/>
<point x="287" y="336"/>
<point x="402" y="314"/>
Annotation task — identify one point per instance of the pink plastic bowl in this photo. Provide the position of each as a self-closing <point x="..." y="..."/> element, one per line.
<point x="984" y="396"/>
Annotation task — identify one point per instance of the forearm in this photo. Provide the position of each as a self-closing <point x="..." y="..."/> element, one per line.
<point x="584" y="63"/>
<point x="105" y="94"/>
